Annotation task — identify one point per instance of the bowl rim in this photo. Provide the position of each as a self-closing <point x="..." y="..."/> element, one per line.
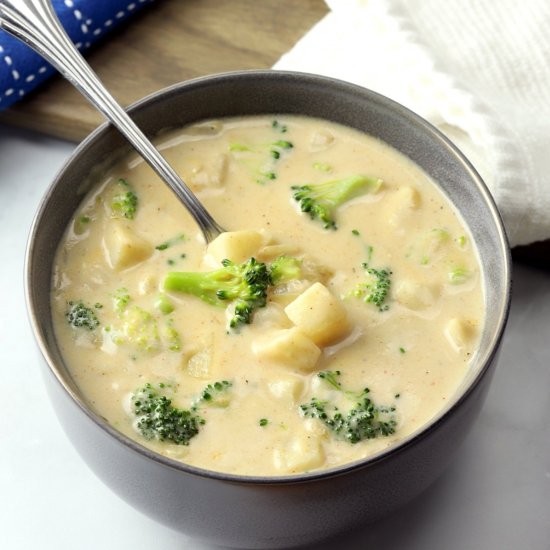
<point x="395" y="448"/>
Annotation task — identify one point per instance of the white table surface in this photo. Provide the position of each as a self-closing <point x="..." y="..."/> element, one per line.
<point x="496" y="494"/>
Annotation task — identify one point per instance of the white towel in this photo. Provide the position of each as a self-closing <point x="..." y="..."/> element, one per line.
<point x="479" y="70"/>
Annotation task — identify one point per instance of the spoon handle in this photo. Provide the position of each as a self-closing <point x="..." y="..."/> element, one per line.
<point x="35" y="23"/>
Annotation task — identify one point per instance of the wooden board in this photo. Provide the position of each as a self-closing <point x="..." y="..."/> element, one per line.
<point x="171" y="41"/>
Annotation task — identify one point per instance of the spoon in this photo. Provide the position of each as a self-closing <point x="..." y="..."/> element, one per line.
<point x="35" y="23"/>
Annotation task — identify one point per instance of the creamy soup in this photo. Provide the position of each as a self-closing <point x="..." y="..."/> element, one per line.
<point x="345" y="319"/>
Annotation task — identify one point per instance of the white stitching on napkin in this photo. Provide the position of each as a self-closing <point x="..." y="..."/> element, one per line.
<point x="15" y="74"/>
<point x="85" y="27"/>
<point x="78" y="15"/>
<point x="119" y="15"/>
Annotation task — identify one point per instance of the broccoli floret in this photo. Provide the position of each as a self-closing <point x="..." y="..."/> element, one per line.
<point x="429" y="246"/>
<point x="376" y="288"/>
<point x="171" y="242"/>
<point x="461" y="241"/>
<point x="285" y="268"/>
<point x="278" y="147"/>
<point x="138" y="328"/>
<point x="81" y="316"/>
<point x="164" y="304"/>
<point x="158" y="419"/>
<point x="362" y="420"/>
<point x="245" y="285"/>
<point x="282" y="128"/>
<point x="322" y="166"/>
<point x="81" y="223"/>
<point x="275" y="148"/>
<point x="458" y="275"/>
<point x="171" y="336"/>
<point x="262" y="158"/>
<point x="216" y="394"/>
<point x="125" y="203"/>
<point x="320" y="200"/>
<point x="121" y="299"/>
<point x="331" y="378"/>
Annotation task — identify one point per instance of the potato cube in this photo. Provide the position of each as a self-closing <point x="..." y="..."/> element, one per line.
<point x="211" y="176"/>
<point x="407" y="197"/>
<point x="237" y="246"/>
<point x="288" y="291"/>
<point x="416" y="296"/>
<point x="288" y="388"/>
<point x="200" y="363"/>
<point x="460" y="333"/>
<point x="400" y="205"/>
<point x="123" y="248"/>
<point x="320" y="141"/>
<point x="314" y="427"/>
<point x="288" y="347"/>
<point x="319" y="314"/>
<point x="302" y="453"/>
<point x="148" y="284"/>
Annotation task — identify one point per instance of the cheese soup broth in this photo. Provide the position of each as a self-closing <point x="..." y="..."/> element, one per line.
<point x="411" y="350"/>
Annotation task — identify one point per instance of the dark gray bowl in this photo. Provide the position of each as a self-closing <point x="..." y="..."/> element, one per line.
<point x="274" y="512"/>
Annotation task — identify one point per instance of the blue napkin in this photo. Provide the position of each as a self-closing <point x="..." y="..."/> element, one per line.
<point x="86" y="22"/>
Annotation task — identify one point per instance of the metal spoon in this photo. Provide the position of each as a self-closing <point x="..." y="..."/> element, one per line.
<point x="35" y="23"/>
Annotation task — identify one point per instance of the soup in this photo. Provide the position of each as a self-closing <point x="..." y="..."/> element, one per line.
<point x="338" y="314"/>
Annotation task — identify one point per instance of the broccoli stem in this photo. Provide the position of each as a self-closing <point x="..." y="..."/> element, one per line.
<point x="245" y="285"/>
